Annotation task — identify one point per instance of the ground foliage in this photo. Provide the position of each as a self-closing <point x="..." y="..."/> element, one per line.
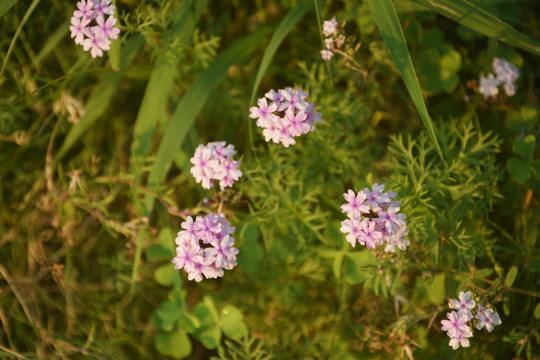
<point x="87" y="230"/>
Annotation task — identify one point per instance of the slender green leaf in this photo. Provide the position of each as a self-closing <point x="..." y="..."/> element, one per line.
<point x="286" y="25"/>
<point x="155" y="97"/>
<point x="388" y="22"/>
<point x="511" y="276"/>
<point x="152" y="109"/>
<point x="100" y="98"/>
<point x="52" y="42"/>
<point x="5" y="5"/>
<point x="16" y="36"/>
<point x="474" y="17"/>
<point x="193" y="101"/>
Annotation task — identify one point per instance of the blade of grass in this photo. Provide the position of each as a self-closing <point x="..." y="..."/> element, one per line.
<point x="388" y="23"/>
<point x="474" y="17"/>
<point x="5" y="5"/>
<point x="152" y="109"/>
<point x="100" y="97"/>
<point x="52" y="42"/>
<point x="155" y="96"/>
<point x="193" y="101"/>
<point x="286" y="25"/>
<point x="16" y="36"/>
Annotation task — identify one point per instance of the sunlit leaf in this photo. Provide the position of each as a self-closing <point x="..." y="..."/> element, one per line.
<point x="388" y="22"/>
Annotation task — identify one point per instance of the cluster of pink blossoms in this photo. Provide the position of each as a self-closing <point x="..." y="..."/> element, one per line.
<point x="205" y="247"/>
<point x="214" y="162"/>
<point x="287" y="116"/>
<point x="506" y="74"/>
<point x="457" y="325"/>
<point x="89" y="27"/>
<point x="334" y="39"/>
<point x="373" y="219"/>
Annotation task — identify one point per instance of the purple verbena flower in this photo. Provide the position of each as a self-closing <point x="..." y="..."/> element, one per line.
<point x="77" y="28"/>
<point x="89" y="28"/>
<point x="289" y="115"/>
<point x="456" y="323"/>
<point x="326" y="55"/>
<point x="464" y="304"/>
<point x="330" y="27"/>
<point x="488" y="86"/>
<point x="488" y="319"/>
<point x="95" y="42"/>
<point x="205" y="247"/>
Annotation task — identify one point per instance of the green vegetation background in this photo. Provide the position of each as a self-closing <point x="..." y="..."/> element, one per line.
<point x="94" y="183"/>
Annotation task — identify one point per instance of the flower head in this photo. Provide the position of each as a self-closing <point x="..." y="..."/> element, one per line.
<point x="288" y="115"/>
<point x="89" y="27"/>
<point x="488" y="319"/>
<point x="489" y="86"/>
<point x="330" y="27"/>
<point x="373" y="219"/>
<point x="205" y="247"/>
<point x="214" y="162"/>
<point x="326" y="55"/>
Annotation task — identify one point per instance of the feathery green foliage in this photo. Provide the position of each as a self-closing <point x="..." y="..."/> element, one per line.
<point x="95" y="181"/>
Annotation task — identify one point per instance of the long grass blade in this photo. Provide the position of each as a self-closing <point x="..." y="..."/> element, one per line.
<point x="286" y="25"/>
<point x="152" y="109"/>
<point x="52" y="42"/>
<point x="100" y="97"/>
<point x="388" y="22"/>
<point x="474" y="17"/>
<point x="193" y="101"/>
<point x="16" y="36"/>
<point x="160" y="83"/>
<point x="5" y="5"/>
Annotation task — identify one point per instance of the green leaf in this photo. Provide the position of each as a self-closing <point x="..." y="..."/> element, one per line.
<point x="192" y="102"/>
<point x="358" y="265"/>
<point x="188" y="322"/>
<point x="52" y="42"/>
<point x="153" y="106"/>
<point x="29" y="10"/>
<point x="388" y="22"/>
<point x="152" y="109"/>
<point x="232" y="323"/>
<point x="166" y="238"/>
<point x="437" y="289"/>
<point x="286" y="25"/>
<point x="525" y="147"/>
<point x="511" y="276"/>
<point x="474" y="17"/>
<point x="168" y="314"/>
<point x="5" y="5"/>
<point x="100" y="97"/>
<point x="208" y="336"/>
<point x="516" y="121"/>
<point x="252" y="253"/>
<point x="519" y="168"/>
<point x="537" y="311"/>
<point x="159" y="252"/>
<point x="337" y="265"/>
<point x="175" y="344"/>
<point x="165" y="274"/>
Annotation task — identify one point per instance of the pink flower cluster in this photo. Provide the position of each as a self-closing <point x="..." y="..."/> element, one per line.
<point x="373" y="219"/>
<point x="287" y="116"/>
<point x="457" y="325"/>
<point x="506" y="74"/>
<point x="334" y="39"/>
<point x="89" y="27"/>
<point x="214" y="162"/>
<point x="205" y="247"/>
